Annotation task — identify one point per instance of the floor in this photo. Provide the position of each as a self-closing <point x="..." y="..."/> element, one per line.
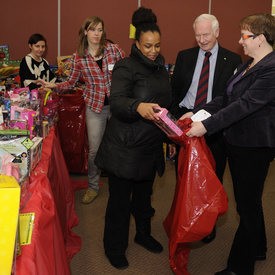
<point x="204" y="259"/>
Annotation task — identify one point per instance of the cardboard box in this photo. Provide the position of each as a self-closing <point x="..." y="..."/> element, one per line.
<point x="9" y="212"/>
<point x="17" y="142"/>
<point x="19" y="94"/>
<point x="30" y="116"/>
<point x="35" y="152"/>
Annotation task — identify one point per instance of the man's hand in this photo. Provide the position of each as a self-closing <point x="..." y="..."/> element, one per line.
<point x="187" y="115"/>
<point x="172" y="150"/>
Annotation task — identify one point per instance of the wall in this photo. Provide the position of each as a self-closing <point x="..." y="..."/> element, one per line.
<point x="21" y="18"/>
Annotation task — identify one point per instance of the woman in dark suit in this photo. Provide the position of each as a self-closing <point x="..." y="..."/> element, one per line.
<point x="247" y="114"/>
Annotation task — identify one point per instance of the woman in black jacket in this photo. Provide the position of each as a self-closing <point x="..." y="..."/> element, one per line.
<point x="132" y="147"/>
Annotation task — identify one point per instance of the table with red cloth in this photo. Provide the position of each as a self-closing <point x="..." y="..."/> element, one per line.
<point x="52" y="200"/>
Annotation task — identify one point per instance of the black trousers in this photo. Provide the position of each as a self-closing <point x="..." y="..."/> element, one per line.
<point x="249" y="168"/>
<point x="216" y="144"/>
<point x="125" y="197"/>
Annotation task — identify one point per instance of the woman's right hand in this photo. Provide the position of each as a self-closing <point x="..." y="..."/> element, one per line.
<point x="197" y="130"/>
<point x="45" y="84"/>
<point x="146" y="111"/>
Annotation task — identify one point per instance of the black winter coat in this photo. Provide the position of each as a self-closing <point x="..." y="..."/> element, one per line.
<point x="132" y="147"/>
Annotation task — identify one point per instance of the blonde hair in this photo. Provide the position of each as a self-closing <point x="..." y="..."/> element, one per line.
<point x="82" y="45"/>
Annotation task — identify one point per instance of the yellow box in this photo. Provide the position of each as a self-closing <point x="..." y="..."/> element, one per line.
<point x="9" y="211"/>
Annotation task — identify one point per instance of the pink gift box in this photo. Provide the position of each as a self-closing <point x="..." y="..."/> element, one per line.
<point x="167" y="122"/>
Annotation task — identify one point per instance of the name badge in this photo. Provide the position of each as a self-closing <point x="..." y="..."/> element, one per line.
<point x="111" y="67"/>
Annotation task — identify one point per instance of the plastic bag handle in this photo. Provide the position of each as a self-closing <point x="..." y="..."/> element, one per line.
<point x="46" y="97"/>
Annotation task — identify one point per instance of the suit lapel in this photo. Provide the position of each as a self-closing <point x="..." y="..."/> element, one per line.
<point x="257" y="67"/>
<point x="193" y="57"/>
<point x="220" y="64"/>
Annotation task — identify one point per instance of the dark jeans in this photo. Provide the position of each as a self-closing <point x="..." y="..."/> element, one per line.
<point x="125" y="197"/>
<point x="249" y="168"/>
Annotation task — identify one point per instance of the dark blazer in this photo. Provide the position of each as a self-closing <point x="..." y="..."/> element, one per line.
<point x="248" y="113"/>
<point x="226" y="64"/>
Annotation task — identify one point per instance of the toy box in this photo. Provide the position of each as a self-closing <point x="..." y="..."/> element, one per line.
<point x="64" y="64"/>
<point x="45" y="128"/>
<point x="9" y="209"/>
<point x="10" y="168"/>
<point x="17" y="143"/>
<point x="17" y="124"/>
<point x="30" y="116"/>
<point x="4" y="53"/>
<point x="25" y="192"/>
<point x="13" y="108"/>
<point x="35" y="152"/>
<point x="20" y="94"/>
<point x="167" y="122"/>
<point x="1" y="118"/>
<point x="34" y="94"/>
<point x="35" y="105"/>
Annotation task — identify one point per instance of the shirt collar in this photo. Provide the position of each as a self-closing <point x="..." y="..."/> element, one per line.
<point x="213" y="51"/>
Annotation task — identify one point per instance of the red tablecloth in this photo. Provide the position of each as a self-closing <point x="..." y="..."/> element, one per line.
<point x="52" y="200"/>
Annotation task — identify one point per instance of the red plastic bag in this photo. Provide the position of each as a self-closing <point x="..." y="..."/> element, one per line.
<point x="72" y="132"/>
<point x="199" y="199"/>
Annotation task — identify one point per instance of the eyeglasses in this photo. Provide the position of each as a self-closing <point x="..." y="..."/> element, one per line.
<point x="246" y="36"/>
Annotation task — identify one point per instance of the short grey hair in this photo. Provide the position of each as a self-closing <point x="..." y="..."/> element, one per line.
<point x="209" y="17"/>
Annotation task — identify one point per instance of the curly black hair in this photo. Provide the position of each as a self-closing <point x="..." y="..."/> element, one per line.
<point x="144" y="20"/>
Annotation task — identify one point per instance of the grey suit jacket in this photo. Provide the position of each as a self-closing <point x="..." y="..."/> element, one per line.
<point x="226" y="64"/>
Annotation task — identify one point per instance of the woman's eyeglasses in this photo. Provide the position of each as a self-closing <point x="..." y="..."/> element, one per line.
<point x="246" y="36"/>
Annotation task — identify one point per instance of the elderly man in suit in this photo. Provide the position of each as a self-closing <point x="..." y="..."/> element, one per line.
<point x="200" y="75"/>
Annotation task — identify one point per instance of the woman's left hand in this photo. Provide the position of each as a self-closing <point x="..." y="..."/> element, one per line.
<point x="172" y="150"/>
<point x="197" y="130"/>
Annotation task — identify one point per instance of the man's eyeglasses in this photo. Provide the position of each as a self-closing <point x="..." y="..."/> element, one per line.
<point x="246" y="36"/>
